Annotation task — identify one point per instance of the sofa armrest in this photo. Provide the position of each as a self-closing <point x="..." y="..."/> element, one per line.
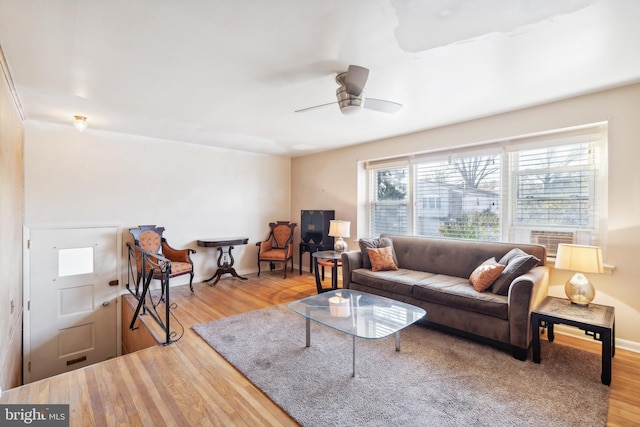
<point x="525" y="293"/>
<point x="350" y="261"/>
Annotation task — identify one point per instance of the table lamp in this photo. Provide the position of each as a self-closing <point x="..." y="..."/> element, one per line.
<point x="580" y="259"/>
<point x="339" y="229"/>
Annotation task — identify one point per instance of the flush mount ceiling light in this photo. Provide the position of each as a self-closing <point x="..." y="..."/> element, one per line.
<point x="80" y="122"/>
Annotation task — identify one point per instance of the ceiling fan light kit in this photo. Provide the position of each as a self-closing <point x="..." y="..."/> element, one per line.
<point x="349" y="104"/>
<point x="350" y="94"/>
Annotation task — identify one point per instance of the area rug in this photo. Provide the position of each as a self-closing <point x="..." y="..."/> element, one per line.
<point x="435" y="380"/>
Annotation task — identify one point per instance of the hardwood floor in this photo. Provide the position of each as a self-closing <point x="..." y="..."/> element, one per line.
<point x="188" y="383"/>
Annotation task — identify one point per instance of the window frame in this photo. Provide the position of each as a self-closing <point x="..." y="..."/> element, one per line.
<point x="594" y="134"/>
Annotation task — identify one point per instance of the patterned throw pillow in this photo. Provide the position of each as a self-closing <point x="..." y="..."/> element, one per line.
<point x="518" y="263"/>
<point x="382" y="259"/>
<point x="382" y="242"/>
<point x="485" y="274"/>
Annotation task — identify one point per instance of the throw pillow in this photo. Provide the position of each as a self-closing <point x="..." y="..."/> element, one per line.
<point x="485" y="274"/>
<point x="516" y="266"/>
<point x="382" y="242"/>
<point x="381" y="259"/>
<point x="513" y="253"/>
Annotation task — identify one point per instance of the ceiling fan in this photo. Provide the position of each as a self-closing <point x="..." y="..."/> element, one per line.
<point x="350" y="94"/>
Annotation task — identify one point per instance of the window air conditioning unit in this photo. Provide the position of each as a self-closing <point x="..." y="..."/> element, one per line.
<point x="551" y="239"/>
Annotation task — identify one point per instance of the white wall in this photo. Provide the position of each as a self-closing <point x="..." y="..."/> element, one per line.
<point x="11" y="214"/>
<point x="195" y="192"/>
<point x="334" y="183"/>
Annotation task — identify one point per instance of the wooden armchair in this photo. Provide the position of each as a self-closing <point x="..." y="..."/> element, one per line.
<point x="149" y="238"/>
<point x="278" y="247"/>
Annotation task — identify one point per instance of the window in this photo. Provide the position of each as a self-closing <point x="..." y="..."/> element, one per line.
<point x="75" y="261"/>
<point x="542" y="189"/>
<point x="467" y="191"/>
<point x="389" y="201"/>
<point x="554" y="186"/>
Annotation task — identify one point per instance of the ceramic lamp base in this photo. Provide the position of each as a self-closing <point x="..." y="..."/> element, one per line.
<point x="579" y="290"/>
<point x="340" y="245"/>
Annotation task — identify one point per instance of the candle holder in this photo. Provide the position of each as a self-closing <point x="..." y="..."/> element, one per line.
<point x="339" y="306"/>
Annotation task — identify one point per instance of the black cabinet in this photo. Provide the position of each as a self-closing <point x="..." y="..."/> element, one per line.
<point x="314" y="233"/>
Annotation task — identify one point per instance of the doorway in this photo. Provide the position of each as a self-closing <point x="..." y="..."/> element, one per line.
<point x="71" y="298"/>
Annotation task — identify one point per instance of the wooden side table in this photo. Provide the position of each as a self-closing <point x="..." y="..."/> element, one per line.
<point x="597" y="321"/>
<point x="332" y="256"/>
<point x="311" y="248"/>
<point x="227" y="266"/>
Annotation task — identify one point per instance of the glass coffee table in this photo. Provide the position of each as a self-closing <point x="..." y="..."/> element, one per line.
<point x="358" y="314"/>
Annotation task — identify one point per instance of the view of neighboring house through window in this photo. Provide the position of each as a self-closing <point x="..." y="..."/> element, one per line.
<point x="544" y="189"/>
<point x="389" y="205"/>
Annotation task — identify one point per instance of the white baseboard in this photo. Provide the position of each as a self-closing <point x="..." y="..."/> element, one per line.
<point x="577" y="333"/>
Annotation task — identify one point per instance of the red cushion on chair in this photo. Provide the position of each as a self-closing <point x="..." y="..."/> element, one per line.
<point x="178" y="268"/>
<point x="273" y="255"/>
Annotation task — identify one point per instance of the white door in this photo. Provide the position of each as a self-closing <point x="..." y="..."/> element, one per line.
<point x="72" y="311"/>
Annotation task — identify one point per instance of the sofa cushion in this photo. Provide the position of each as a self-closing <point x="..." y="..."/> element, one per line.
<point x="398" y="281"/>
<point x="382" y="242"/>
<point x="381" y="259"/>
<point x="485" y="274"/>
<point x="516" y="265"/>
<point x="453" y="257"/>
<point x="457" y="292"/>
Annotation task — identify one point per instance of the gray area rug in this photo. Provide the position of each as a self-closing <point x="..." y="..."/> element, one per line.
<point x="435" y="380"/>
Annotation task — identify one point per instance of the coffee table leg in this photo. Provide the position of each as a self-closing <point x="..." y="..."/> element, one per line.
<point x="398" y="341"/>
<point x="308" y="321"/>
<point x="354" y="356"/>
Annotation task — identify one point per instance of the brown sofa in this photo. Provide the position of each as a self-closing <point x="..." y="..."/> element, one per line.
<point x="434" y="274"/>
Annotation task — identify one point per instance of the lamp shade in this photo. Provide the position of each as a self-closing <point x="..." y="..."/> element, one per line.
<point x="585" y="259"/>
<point x="339" y="228"/>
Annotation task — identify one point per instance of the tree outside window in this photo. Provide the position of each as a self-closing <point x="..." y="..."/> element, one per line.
<point x="549" y="185"/>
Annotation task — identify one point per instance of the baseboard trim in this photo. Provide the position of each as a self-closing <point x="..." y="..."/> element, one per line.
<point x="576" y="333"/>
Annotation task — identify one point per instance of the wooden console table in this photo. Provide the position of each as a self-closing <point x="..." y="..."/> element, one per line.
<point x="224" y="245"/>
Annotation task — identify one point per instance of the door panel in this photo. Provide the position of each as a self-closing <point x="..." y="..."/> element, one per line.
<point x="73" y="310"/>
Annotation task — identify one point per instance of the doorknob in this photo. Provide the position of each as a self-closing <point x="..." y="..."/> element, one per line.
<point x="106" y="303"/>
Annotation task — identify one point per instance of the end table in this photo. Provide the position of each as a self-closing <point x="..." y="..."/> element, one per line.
<point x="332" y="256"/>
<point x="311" y="248"/>
<point x="597" y="321"/>
<point x="227" y="266"/>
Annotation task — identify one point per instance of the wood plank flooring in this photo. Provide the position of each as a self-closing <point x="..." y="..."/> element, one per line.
<point x="188" y="383"/>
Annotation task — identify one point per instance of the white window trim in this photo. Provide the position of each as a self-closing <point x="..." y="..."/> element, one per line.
<point x="598" y="130"/>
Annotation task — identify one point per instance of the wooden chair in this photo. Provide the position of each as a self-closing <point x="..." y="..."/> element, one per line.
<point x="278" y="247"/>
<point x="149" y="238"/>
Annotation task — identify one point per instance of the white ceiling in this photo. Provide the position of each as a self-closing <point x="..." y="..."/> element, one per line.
<point x="231" y="73"/>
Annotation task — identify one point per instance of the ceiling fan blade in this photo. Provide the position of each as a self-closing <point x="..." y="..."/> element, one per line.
<point x="302" y="110"/>
<point x="356" y="79"/>
<point x="382" y="105"/>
